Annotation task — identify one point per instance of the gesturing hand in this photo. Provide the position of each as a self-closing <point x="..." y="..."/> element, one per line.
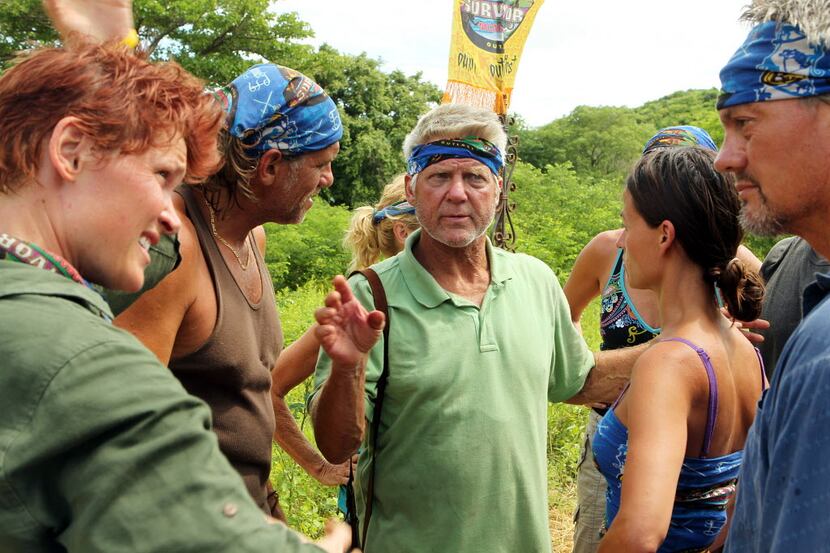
<point x="347" y="331"/>
<point x="95" y="20"/>
<point x="337" y="539"/>
<point x="749" y="328"/>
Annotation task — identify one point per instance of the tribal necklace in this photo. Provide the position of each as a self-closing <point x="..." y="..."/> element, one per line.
<point x="225" y="242"/>
<point x="18" y="251"/>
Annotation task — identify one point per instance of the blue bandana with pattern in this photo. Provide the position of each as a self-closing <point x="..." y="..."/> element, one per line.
<point x="399" y="208"/>
<point x="776" y="62"/>
<point x="682" y="135"/>
<point x="470" y="147"/>
<point x="274" y="107"/>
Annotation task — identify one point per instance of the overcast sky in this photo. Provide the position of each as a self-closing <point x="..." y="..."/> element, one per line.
<point x="585" y="52"/>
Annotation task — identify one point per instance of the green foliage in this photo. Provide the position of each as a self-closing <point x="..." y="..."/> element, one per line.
<point x="306" y="502"/>
<point x="760" y="245"/>
<point x="559" y="211"/>
<point x="311" y="251"/>
<point x="689" y="107"/>
<point x="214" y="39"/>
<point x="605" y="141"/>
<point x="378" y="110"/>
<point x="566" y="430"/>
<point x="23" y="25"/>
<point x="600" y="141"/>
<point x="219" y="39"/>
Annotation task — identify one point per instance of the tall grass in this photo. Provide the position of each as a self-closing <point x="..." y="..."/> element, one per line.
<point x="307" y="503"/>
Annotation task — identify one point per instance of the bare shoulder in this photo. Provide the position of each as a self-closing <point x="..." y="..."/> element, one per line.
<point x="598" y="255"/>
<point x="157" y="315"/>
<point x="603" y="246"/>
<point x="260" y="237"/>
<point x="190" y="250"/>
<point x="606" y="241"/>
<point x="665" y="379"/>
<point x="667" y="363"/>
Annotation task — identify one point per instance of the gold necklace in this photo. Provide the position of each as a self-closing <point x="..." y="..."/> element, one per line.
<point x="225" y="242"/>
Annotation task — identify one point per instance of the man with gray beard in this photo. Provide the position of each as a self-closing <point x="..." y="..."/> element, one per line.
<point x="213" y="320"/>
<point x="480" y="341"/>
<point x="776" y="115"/>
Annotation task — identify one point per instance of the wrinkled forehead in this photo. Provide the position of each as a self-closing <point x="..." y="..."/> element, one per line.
<point x="467" y="165"/>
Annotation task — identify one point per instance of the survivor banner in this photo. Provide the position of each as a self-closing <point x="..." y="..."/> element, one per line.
<point x="487" y="41"/>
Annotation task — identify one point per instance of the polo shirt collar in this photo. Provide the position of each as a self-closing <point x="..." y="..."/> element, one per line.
<point x="426" y="289"/>
<point x="816" y="292"/>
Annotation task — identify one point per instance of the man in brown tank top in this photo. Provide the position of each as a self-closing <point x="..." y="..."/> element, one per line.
<point x="213" y="320"/>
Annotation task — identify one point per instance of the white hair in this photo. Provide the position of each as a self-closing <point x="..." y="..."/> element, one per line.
<point x="811" y="16"/>
<point x="456" y="121"/>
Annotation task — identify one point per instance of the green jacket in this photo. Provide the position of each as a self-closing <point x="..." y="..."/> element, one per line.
<point x="101" y="449"/>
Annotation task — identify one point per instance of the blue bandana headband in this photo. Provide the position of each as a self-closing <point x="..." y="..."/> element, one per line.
<point x="470" y="147"/>
<point x="274" y="107"/>
<point x="683" y="135"/>
<point x="399" y="208"/>
<point x="776" y="62"/>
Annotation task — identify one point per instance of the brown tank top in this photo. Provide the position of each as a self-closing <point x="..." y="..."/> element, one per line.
<point x="231" y="372"/>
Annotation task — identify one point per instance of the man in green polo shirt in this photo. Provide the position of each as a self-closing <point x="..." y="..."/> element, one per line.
<point x="480" y="341"/>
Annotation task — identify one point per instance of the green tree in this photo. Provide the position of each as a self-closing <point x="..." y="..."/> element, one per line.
<point x="311" y="251"/>
<point x="378" y="110"/>
<point x="218" y="39"/>
<point x="214" y="39"/>
<point x="599" y="141"/>
<point x="559" y="210"/>
<point x="687" y="107"/>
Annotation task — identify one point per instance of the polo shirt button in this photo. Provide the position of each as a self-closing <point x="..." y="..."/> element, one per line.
<point x="230" y="510"/>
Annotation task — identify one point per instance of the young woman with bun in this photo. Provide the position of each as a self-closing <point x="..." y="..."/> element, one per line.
<point x="678" y="429"/>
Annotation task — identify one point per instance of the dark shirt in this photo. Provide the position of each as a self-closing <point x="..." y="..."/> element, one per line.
<point x="164" y="258"/>
<point x="787" y="270"/>
<point x="785" y="480"/>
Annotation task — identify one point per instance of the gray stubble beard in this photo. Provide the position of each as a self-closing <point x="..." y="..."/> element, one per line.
<point x="761" y="223"/>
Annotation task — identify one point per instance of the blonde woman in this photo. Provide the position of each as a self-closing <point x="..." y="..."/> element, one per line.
<point x="374" y="232"/>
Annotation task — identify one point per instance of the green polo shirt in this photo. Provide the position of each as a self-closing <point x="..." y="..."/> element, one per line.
<point x="101" y="449"/>
<point x="461" y="462"/>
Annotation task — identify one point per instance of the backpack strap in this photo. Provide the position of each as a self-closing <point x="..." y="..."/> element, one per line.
<point x="379" y="295"/>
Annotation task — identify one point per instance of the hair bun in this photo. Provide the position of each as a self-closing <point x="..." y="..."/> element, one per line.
<point x="743" y="290"/>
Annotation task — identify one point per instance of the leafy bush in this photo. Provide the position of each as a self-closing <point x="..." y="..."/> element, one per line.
<point x="558" y="211"/>
<point x="307" y="503"/>
<point x="687" y="107"/>
<point x="311" y="251"/>
<point x="601" y="141"/>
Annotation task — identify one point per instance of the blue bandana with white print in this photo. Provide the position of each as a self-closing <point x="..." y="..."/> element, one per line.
<point x="274" y="107"/>
<point x="400" y="208"/>
<point x="776" y="62"/>
<point x="681" y="135"/>
<point x="470" y="147"/>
